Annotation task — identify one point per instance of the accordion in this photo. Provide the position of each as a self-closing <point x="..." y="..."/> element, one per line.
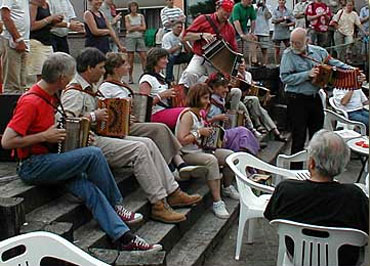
<point x="77" y="130"/>
<point x="338" y="78"/>
<point x="222" y="57"/>
<point x="118" y="121"/>
<point x="180" y="99"/>
<point x="213" y="141"/>
<point x="142" y="107"/>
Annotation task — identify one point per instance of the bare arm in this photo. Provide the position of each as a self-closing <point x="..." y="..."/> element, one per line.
<point x="346" y="98"/>
<point x="9" y="24"/>
<point x="238" y="27"/>
<point x="89" y="20"/>
<point x="12" y="140"/>
<point x="183" y="134"/>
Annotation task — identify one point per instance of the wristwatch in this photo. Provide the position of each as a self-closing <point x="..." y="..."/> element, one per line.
<point x="195" y="134"/>
<point x="201" y="35"/>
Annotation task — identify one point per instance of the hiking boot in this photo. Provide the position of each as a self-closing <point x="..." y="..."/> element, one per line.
<point x="220" y="210"/>
<point x="181" y="199"/>
<point x="230" y="192"/>
<point x="140" y="244"/>
<point x="192" y="171"/>
<point x="162" y="212"/>
<point x="127" y="216"/>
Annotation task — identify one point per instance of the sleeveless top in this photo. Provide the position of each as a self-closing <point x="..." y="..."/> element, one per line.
<point x="135" y="21"/>
<point x="43" y="35"/>
<point x="99" y="42"/>
<point x="197" y="124"/>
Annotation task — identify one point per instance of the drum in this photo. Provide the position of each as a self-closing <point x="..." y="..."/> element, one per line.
<point x="118" y="121"/>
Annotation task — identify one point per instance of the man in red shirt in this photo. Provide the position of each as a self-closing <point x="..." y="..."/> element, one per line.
<point x="318" y="14"/>
<point x="202" y="33"/>
<point x="84" y="172"/>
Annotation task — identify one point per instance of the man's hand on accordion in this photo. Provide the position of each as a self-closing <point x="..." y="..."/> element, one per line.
<point x="314" y="72"/>
<point x="91" y="138"/>
<point x="54" y="134"/>
<point x="101" y="114"/>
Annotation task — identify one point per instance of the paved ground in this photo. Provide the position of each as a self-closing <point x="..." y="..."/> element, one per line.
<point x="263" y="252"/>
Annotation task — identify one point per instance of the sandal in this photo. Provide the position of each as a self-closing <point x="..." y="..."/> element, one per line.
<point x="281" y="138"/>
<point x="261" y="130"/>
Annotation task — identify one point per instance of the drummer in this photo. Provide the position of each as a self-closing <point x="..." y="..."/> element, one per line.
<point x="202" y="32"/>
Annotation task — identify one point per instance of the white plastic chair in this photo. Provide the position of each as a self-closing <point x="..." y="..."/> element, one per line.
<point x="284" y="160"/>
<point x="314" y="250"/>
<point x="39" y="245"/>
<point x="251" y="205"/>
<point x="322" y="95"/>
<point x="332" y="119"/>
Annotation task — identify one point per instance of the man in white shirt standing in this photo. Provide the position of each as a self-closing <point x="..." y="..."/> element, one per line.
<point x="173" y="44"/>
<point x="262" y="28"/>
<point x="299" y="12"/>
<point x="171" y="14"/>
<point x="15" y="43"/>
<point x="59" y="34"/>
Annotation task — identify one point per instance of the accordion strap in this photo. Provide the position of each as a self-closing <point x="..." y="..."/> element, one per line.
<point x="326" y="60"/>
<point x="121" y="84"/>
<point x="78" y="87"/>
<point x="213" y="25"/>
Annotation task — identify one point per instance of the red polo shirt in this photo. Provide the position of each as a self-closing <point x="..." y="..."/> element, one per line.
<point x="201" y="24"/>
<point x="33" y="115"/>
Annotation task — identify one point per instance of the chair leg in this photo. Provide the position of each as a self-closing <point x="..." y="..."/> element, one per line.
<point x="242" y="220"/>
<point x="251" y="225"/>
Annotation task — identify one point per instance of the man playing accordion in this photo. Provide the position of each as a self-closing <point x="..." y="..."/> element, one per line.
<point x="298" y="70"/>
<point x="203" y="31"/>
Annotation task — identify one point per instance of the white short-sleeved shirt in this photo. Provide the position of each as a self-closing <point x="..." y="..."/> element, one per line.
<point x="110" y="90"/>
<point x="170" y="40"/>
<point x="20" y="14"/>
<point x="157" y="88"/>
<point x="354" y="104"/>
<point x="346" y="22"/>
<point x="65" y="8"/>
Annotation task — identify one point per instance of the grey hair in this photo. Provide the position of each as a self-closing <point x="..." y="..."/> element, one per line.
<point x="330" y="153"/>
<point x="57" y="65"/>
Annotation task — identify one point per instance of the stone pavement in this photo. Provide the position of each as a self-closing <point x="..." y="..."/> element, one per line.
<point x="263" y="252"/>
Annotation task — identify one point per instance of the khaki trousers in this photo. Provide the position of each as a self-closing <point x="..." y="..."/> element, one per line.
<point x="161" y="135"/>
<point x="258" y="113"/>
<point x="150" y="168"/>
<point x="14" y="68"/>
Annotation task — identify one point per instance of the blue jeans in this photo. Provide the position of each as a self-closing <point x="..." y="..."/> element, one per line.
<point x="360" y="116"/>
<point x="86" y="174"/>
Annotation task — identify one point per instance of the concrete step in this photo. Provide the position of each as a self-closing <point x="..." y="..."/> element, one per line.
<point x="203" y="237"/>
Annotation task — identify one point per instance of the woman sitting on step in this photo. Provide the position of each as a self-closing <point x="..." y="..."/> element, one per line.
<point x="190" y="130"/>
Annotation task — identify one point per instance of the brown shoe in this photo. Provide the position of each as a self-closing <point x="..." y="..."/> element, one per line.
<point x="181" y="199"/>
<point x="162" y="212"/>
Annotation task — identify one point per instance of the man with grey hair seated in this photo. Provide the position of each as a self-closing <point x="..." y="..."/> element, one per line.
<point x="321" y="200"/>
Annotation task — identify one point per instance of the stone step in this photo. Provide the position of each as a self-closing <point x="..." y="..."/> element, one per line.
<point x="202" y="238"/>
<point x="273" y="149"/>
<point x="91" y="236"/>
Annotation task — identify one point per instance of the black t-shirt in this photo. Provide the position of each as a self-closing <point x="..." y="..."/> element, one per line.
<point x="326" y="204"/>
<point x="43" y="35"/>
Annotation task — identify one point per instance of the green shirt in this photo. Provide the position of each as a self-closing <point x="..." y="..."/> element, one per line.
<point x="243" y="14"/>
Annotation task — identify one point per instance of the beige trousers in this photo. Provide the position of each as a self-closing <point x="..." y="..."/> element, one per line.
<point x="258" y="113"/>
<point x="212" y="161"/>
<point x="14" y="68"/>
<point x="161" y="135"/>
<point x="150" y="168"/>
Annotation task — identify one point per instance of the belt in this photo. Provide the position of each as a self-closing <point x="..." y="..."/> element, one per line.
<point x="294" y="95"/>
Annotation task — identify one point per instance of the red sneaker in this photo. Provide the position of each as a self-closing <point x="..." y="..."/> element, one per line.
<point x="127" y="216"/>
<point x="140" y="244"/>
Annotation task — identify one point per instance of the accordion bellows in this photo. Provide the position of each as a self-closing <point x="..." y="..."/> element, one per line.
<point x="118" y="121"/>
<point x="337" y="78"/>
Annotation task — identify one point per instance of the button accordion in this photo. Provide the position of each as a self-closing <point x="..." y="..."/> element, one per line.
<point x="337" y="78"/>
<point x="77" y="130"/>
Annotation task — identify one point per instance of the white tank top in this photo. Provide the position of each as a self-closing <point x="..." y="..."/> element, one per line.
<point x="197" y="124"/>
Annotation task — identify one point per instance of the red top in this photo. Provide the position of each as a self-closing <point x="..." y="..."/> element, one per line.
<point x="321" y="23"/>
<point x="200" y="24"/>
<point x="33" y="115"/>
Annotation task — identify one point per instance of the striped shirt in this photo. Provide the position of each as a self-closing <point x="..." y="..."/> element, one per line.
<point x="169" y="15"/>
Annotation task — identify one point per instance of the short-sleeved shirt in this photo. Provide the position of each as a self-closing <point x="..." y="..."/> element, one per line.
<point x="281" y="32"/>
<point x="300" y="8"/>
<point x="170" y="40"/>
<point x="33" y="114"/>
<point x="363" y="14"/>
<point x="110" y="90"/>
<point x="346" y="22"/>
<point x="157" y="88"/>
<point x="262" y="24"/>
<point x="354" y="104"/>
<point x="65" y="8"/>
<point x="200" y="24"/>
<point x="170" y="14"/>
<point x="320" y="24"/>
<point x="20" y="15"/>
<point x="243" y="14"/>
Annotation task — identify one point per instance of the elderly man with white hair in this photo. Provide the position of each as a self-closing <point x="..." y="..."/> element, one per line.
<point x="321" y="200"/>
<point x="299" y="66"/>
